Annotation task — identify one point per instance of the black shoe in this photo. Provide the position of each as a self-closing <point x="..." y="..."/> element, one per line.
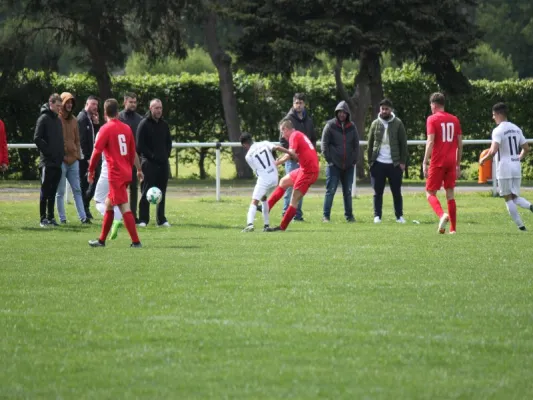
<point x="265" y="228"/>
<point x="88" y="214"/>
<point x="260" y="207"/>
<point x="523" y="228"/>
<point x="274" y="229"/>
<point x="351" y="219"/>
<point x="86" y="221"/>
<point x="301" y="219"/>
<point x="96" y="243"/>
<point x="53" y="222"/>
<point x="136" y="245"/>
<point x="44" y="223"/>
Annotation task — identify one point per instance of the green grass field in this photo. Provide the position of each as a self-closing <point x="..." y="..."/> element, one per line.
<point x="320" y="311"/>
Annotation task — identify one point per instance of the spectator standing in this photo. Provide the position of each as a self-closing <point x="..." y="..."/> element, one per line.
<point x="154" y="144"/>
<point x="49" y="140"/>
<point x="340" y="147"/>
<point x="131" y="118"/>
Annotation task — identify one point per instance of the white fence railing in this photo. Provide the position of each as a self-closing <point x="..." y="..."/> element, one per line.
<point x="218" y="146"/>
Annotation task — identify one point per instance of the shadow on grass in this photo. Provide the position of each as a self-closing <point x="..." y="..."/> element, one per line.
<point x="66" y="229"/>
<point x="209" y="225"/>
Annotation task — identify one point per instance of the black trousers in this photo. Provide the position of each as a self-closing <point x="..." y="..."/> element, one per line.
<point x="87" y="189"/>
<point x="154" y="175"/>
<point x="134" y="190"/>
<point x="379" y="173"/>
<point x="50" y="177"/>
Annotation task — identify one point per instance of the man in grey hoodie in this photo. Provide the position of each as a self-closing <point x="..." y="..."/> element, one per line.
<point x="340" y="147"/>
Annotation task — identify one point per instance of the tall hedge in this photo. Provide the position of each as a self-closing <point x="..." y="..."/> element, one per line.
<point x="193" y="108"/>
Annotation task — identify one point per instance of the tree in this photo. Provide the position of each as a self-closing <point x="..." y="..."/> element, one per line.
<point x="489" y="64"/>
<point x="279" y="35"/>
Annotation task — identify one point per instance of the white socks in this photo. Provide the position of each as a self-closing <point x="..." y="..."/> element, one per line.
<point x="513" y="212"/>
<point x="266" y="212"/>
<point x="251" y="214"/>
<point x="521" y="202"/>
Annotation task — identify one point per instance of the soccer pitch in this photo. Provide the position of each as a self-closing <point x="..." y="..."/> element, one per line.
<point x="333" y="310"/>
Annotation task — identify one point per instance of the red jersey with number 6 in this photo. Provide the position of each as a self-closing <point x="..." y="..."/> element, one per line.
<point x="305" y="151"/>
<point x="115" y="140"/>
<point x="446" y="128"/>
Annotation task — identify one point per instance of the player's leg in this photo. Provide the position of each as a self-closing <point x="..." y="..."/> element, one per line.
<point x="378" y="178"/>
<point x="73" y="177"/>
<point x="127" y="216"/>
<point x="332" y="182"/>
<point x="106" y="223"/>
<point x="266" y="212"/>
<point x="285" y="183"/>
<point x="520" y="201"/>
<point x="449" y="184"/>
<point x="302" y="182"/>
<point x="507" y="192"/>
<point x="60" y="194"/>
<point x="347" y="177"/>
<point x="289" y="167"/>
<point x="259" y="192"/>
<point x="433" y="184"/>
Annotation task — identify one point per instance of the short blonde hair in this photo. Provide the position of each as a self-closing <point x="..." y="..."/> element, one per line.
<point x="286" y="123"/>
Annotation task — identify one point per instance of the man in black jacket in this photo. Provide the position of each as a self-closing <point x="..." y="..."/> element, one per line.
<point x="154" y="144"/>
<point x="302" y="122"/>
<point x="340" y="147"/>
<point x="88" y="125"/>
<point x="49" y="140"/>
<point x="131" y="118"/>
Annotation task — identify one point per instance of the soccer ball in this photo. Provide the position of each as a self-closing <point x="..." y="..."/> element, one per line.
<point x="154" y="195"/>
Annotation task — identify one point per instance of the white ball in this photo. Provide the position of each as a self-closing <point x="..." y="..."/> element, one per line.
<point x="154" y="195"/>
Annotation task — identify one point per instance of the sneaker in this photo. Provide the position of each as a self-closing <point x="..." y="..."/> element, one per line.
<point x="164" y="224"/>
<point x="88" y="214"/>
<point x="442" y="223"/>
<point x="96" y="243"/>
<point x="44" y="223"/>
<point x="400" y="220"/>
<point x="259" y="207"/>
<point x="350" y="220"/>
<point x="453" y="233"/>
<point x="136" y="245"/>
<point x="53" y="222"/>
<point x="249" y="228"/>
<point x="142" y="224"/>
<point x="301" y="219"/>
<point x="377" y="220"/>
<point x="114" y="229"/>
<point x="266" y="227"/>
<point x="273" y="229"/>
<point x="86" y="221"/>
<point x="325" y="220"/>
<point x="523" y="228"/>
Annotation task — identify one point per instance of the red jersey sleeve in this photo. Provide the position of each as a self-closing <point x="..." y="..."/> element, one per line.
<point x="293" y="142"/>
<point x="430" y="127"/>
<point x="99" y="146"/>
<point x="458" y="129"/>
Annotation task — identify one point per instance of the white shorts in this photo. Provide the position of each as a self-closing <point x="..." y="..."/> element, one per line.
<point x="102" y="208"/>
<point x="263" y="186"/>
<point x="509" y="186"/>
<point x="102" y="190"/>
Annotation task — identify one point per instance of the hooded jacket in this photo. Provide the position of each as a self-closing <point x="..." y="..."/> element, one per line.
<point x="49" y="138"/>
<point x="304" y="124"/>
<point x="87" y="132"/>
<point x="71" y="135"/>
<point x="132" y="119"/>
<point x="340" y="140"/>
<point x="397" y="140"/>
<point x="154" y="142"/>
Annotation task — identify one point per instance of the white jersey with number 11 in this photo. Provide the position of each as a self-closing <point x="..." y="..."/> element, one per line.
<point x="510" y="140"/>
<point x="261" y="160"/>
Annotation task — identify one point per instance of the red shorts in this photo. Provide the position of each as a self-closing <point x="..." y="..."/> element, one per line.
<point x="302" y="180"/>
<point x="441" y="176"/>
<point x="118" y="192"/>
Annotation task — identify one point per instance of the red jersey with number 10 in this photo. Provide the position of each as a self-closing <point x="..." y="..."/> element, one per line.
<point x="305" y="151"/>
<point x="115" y="140"/>
<point x="446" y="128"/>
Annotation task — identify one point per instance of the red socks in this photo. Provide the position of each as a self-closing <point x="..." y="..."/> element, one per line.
<point x="435" y="204"/>
<point x="275" y="196"/>
<point x="452" y="211"/>
<point x="287" y="218"/>
<point x="129" y="223"/>
<point x="109" y="216"/>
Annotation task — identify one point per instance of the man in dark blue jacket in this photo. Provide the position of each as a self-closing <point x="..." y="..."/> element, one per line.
<point x="340" y="147"/>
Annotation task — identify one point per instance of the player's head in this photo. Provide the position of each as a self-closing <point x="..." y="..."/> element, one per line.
<point x="54" y="102"/>
<point x="156" y="108"/>
<point x="286" y="128"/>
<point x="385" y="108"/>
<point x="499" y="112"/>
<point x="91" y="105"/>
<point x="130" y="101"/>
<point x="111" y="109"/>
<point x="437" y="102"/>
<point x="246" y="140"/>
<point x="298" y="102"/>
<point x="68" y="102"/>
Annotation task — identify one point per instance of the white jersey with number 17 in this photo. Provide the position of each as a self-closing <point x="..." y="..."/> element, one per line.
<point x="510" y="140"/>
<point x="261" y="160"/>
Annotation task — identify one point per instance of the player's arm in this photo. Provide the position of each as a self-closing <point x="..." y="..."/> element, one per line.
<point x="430" y="142"/>
<point x="525" y="150"/>
<point x="494" y="147"/>
<point x="101" y="142"/>
<point x="289" y="153"/>
<point x="459" y="151"/>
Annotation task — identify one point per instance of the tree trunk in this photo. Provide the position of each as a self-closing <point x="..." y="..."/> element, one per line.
<point x="100" y="71"/>
<point x="222" y="62"/>
<point x="201" y="162"/>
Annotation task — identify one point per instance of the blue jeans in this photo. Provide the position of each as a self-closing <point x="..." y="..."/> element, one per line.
<point x="72" y="173"/>
<point x="291" y="166"/>
<point x="334" y="175"/>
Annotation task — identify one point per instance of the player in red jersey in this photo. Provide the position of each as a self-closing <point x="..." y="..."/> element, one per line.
<point x="115" y="140"/>
<point x="445" y="147"/>
<point x="300" y="179"/>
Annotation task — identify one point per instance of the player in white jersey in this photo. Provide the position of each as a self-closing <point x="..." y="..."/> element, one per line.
<point x="260" y="158"/>
<point x="510" y="147"/>
<point x="100" y="194"/>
